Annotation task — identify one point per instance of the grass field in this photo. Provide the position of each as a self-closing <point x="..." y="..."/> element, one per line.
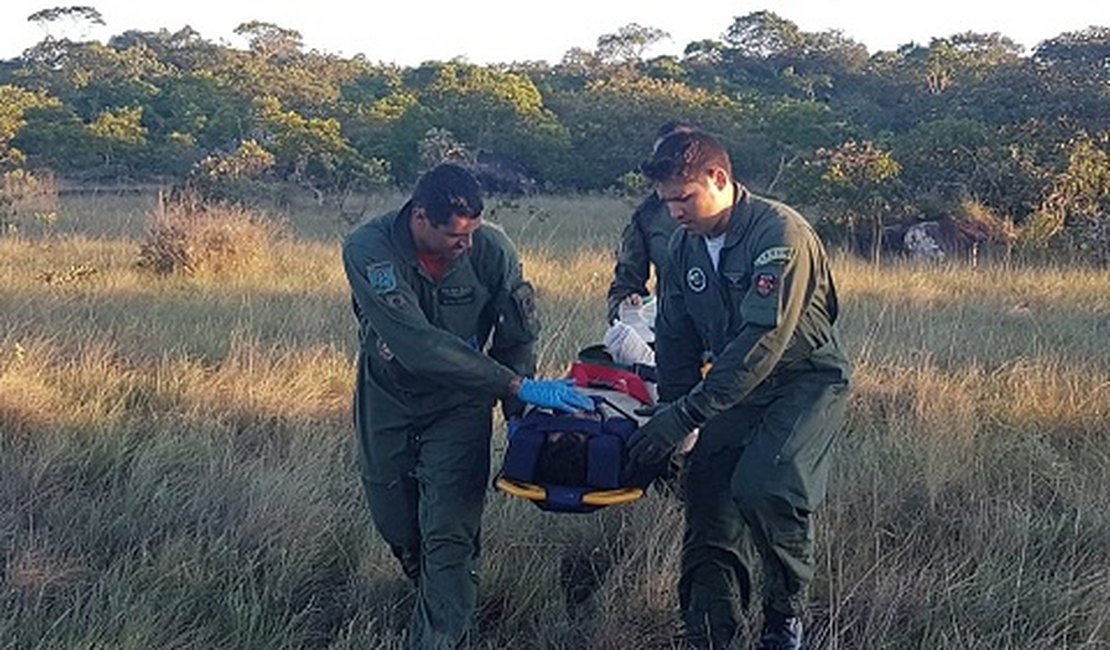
<point x="177" y="468"/>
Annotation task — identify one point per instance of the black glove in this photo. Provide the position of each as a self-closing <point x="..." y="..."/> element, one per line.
<point x="511" y="407"/>
<point x="650" y="447"/>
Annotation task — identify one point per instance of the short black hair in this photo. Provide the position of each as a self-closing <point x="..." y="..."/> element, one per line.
<point x="686" y="155"/>
<point x="446" y="190"/>
<point x="564" y="459"/>
<point x="673" y="126"/>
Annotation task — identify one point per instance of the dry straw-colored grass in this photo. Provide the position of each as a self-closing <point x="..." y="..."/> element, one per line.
<point x="176" y="463"/>
<point x="192" y="238"/>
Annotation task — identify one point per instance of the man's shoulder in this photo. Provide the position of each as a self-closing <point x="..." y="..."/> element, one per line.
<point x="680" y="242"/>
<point x="651" y="210"/>
<point x="373" y="234"/>
<point x="777" y="220"/>
<point x="491" y="248"/>
<point x="491" y="234"/>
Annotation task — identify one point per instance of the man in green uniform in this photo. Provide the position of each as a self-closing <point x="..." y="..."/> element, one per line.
<point x="447" y="327"/>
<point x="643" y="243"/>
<point x="748" y="282"/>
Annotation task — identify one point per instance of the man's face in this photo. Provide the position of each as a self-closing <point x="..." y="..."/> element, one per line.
<point x="448" y="241"/>
<point x="699" y="204"/>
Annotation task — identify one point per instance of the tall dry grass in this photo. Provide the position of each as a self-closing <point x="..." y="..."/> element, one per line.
<point x="176" y="464"/>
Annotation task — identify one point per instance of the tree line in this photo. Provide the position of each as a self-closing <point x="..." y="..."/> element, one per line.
<point x="1012" y="146"/>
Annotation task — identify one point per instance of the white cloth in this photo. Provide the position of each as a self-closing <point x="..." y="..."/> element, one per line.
<point x="713" y="246"/>
<point x="641" y="318"/>
<point x="626" y="346"/>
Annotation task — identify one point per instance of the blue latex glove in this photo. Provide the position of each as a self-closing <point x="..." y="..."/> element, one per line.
<point x="557" y="394"/>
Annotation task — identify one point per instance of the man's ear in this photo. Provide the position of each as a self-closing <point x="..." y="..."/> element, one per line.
<point x="420" y="217"/>
<point x="719" y="178"/>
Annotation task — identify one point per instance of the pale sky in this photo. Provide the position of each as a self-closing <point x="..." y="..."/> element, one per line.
<point x="408" y="32"/>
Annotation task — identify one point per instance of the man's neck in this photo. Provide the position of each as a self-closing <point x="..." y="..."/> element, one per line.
<point x="721" y="226"/>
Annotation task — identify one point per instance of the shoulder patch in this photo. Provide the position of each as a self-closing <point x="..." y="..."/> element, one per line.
<point x="382" y="277"/>
<point x="765" y="284"/>
<point x="773" y="255"/>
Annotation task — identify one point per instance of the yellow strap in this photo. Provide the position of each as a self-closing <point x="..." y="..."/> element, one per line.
<point x="522" y="490"/>
<point x="595" y="498"/>
<point x="612" y="497"/>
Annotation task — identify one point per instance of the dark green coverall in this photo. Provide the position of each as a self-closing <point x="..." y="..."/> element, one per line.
<point x="429" y="373"/>
<point x="774" y="398"/>
<point x="643" y="243"/>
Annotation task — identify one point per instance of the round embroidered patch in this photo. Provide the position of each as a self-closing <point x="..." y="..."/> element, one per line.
<point x="765" y="284"/>
<point x="695" y="278"/>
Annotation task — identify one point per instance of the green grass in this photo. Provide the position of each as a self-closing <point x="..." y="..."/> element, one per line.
<point x="176" y="465"/>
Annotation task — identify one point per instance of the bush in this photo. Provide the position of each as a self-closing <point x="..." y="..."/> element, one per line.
<point x="27" y="198"/>
<point x="191" y="238"/>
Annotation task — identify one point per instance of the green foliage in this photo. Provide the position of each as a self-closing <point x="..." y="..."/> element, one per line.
<point x="15" y="102"/>
<point x="856" y="188"/>
<point x="17" y="184"/>
<point x="954" y="159"/>
<point x="628" y="44"/>
<point x="271" y="41"/>
<point x="968" y="117"/>
<point x="1075" y="213"/>
<point x="57" y="138"/>
<point x="612" y="124"/>
<point x="76" y="13"/>
<point x="492" y="110"/>
<point x="123" y="126"/>
<point x="236" y="177"/>
<point x="439" y="146"/>
<point x="313" y="151"/>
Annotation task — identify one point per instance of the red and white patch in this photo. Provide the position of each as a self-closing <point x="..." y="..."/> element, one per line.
<point x="765" y="284"/>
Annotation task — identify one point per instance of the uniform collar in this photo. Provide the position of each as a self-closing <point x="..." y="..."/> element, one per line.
<point x="741" y="219"/>
<point x="402" y="234"/>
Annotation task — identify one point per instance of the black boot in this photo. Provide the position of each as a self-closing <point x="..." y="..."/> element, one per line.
<point x="780" y="632"/>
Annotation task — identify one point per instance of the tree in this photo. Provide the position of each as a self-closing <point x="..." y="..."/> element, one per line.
<point x="120" y="138"/>
<point x="78" y="18"/>
<point x="857" y="179"/>
<point x="313" y="152"/>
<point x="493" y="110"/>
<point x="762" y="35"/>
<point x="1082" y="56"/>
<point x="628" y="44"/>
<point x="15" y="181"/>
<point x="1077" y="205"/>
<point x="15" y="102"/>
<point x="271" y="41"/>
<point x="775" y="56"/>
<point x="611" y="124"/>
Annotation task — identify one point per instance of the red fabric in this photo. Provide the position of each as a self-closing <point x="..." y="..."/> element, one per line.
<point x="629" y="383"/>
<point x="435" y="265"/>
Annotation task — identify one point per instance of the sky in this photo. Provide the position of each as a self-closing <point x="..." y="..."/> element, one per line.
<point x="408" y="32"/>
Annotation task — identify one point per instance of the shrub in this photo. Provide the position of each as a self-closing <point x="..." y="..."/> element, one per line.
<point x="190" y="238"/>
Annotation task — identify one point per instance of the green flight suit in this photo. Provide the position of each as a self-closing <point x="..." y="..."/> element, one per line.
<point x="433" y="359"/>
<point x="643" y="243"/>
<point x="774" y="398"/>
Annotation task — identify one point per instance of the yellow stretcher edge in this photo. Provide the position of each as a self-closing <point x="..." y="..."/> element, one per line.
<point x="595" y="498"/>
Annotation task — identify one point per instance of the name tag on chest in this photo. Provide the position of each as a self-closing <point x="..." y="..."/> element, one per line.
<point x="452" y="296"/>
